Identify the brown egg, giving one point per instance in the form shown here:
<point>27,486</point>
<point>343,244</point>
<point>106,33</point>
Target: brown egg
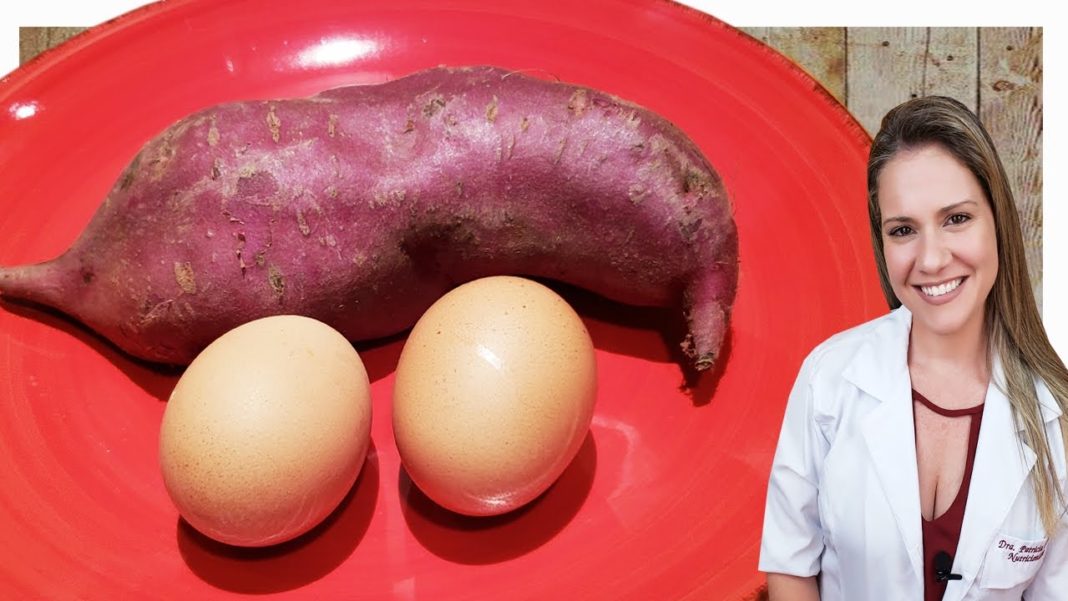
<point>266,431</point>
<point>494,395</point>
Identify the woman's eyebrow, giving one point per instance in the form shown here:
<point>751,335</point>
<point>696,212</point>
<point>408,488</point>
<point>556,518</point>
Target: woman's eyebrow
<point>942,211</point>
<point>956,205</point>
<point>898,220</point>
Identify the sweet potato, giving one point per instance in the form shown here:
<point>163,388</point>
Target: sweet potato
<point>362,205</point>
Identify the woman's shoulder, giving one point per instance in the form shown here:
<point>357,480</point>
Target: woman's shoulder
<point>840,349</point>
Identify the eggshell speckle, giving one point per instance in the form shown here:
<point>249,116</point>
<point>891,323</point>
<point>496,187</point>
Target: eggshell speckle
<point>494,394</point>
<point>266,431</point>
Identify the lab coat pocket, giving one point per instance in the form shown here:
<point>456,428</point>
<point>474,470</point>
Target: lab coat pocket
<point>1011,562</point>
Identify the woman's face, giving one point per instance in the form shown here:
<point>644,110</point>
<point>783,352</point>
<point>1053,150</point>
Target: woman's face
<point>938,239</point>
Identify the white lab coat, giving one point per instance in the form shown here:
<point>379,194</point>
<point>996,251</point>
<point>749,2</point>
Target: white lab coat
<point>843,497</point>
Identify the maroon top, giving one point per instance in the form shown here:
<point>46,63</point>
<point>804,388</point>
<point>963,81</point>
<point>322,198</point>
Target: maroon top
<point>943,532</point>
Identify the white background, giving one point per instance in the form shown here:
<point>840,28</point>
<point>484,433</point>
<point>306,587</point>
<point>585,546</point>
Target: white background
<point>900,13</point>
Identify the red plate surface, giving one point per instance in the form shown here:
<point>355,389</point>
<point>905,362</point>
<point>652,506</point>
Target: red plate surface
<point>664,501</point>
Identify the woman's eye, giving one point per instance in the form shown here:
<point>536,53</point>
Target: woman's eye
<point>901,230</point>
<point>959,218</point>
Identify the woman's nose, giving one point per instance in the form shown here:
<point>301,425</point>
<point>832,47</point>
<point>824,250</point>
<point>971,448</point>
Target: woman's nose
<point>934,253</point>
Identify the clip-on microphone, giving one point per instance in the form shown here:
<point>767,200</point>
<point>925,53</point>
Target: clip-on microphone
<point>943,563</point>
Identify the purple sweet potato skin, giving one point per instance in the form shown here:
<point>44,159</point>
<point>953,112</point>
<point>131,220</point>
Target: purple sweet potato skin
<point>362,205</point>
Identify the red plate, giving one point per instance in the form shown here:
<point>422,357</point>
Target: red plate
<point>665,500</point>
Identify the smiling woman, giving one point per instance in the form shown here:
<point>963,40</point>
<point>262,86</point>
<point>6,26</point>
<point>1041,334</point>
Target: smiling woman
<point>956,395</point>
<point>937,249</point>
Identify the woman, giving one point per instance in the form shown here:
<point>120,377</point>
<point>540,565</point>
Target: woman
<point>922,455</point>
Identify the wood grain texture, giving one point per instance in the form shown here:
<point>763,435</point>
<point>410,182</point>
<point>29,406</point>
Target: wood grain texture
<point>951,67</point>
<point>35,40</point>
<point>885,68</point>
<point>1010,106</point>
<point>820,51</point>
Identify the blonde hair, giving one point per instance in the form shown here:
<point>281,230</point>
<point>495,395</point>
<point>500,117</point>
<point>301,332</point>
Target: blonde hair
<point>1013,325</point>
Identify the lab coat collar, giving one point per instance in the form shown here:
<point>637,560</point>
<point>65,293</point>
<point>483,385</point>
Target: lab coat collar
<point>879,364</point>
<point>880,369</point>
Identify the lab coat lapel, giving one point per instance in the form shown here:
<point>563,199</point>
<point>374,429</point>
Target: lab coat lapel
<point>881,371</point>
<point>1001,465</point>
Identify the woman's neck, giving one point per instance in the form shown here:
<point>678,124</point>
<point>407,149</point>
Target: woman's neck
<point>963,351</point>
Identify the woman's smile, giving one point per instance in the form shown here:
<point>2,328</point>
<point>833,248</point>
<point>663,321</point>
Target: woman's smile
<point>941,293</point>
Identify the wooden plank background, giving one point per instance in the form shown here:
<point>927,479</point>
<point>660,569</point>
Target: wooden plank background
<point>995,71</point>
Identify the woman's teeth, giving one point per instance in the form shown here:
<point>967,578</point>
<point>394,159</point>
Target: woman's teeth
<point>942,288</point>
